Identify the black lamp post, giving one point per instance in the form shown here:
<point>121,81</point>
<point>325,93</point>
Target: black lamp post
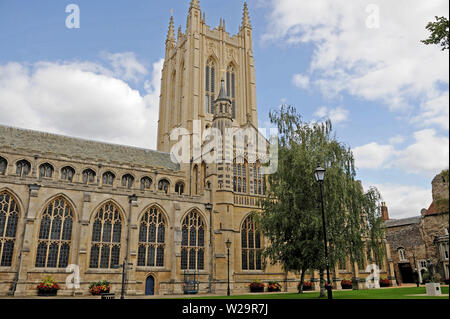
<point>228,243</point>
<point>320,176</point>
<point>209,208</point>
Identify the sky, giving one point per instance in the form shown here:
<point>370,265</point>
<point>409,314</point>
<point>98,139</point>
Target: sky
<point>359,63</point>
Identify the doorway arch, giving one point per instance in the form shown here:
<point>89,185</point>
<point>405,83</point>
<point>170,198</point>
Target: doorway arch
<point>150,285</point>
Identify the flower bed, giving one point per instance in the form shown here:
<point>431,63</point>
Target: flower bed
<point>346,284</point>
<point>47,287</point>
<point>274,286</point>
<point>384,282</point>
<point>257,286</point>
<point>99,287</point>
<point>307,285</point>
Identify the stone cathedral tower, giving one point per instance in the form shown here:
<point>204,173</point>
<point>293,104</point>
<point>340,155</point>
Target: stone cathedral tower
<point>195,63</point>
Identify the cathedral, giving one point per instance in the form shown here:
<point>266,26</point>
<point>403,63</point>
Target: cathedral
<point>68,203</point>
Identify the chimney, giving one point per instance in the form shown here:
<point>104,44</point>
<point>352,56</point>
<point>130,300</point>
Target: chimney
<point>384,211</point>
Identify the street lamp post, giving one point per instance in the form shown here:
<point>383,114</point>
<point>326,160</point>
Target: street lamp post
<point>320,176</point>
<point>228,243</point>
<point>209,208</point>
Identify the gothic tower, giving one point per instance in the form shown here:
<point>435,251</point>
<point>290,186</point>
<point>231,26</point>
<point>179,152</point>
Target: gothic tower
<point>195,62</point>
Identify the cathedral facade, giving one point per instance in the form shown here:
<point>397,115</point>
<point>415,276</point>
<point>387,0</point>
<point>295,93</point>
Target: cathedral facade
<point>68,203</point>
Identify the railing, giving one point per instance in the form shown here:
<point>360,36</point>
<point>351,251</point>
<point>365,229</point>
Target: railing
<point>248,200</point>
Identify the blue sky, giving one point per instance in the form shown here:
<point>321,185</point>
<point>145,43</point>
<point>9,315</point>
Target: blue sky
<point>358,62</point>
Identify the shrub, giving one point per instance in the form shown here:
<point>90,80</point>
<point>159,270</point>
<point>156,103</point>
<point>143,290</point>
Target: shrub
<point>446,281</point>
<point>99,287</point>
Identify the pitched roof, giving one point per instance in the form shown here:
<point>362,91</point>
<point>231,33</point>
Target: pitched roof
<point>47,143</point>
<point>402,222</point>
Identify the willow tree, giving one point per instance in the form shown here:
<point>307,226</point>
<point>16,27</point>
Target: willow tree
<point>291,218</point>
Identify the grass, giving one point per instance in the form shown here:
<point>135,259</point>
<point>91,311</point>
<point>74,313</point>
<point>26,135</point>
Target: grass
<point>385,293</point>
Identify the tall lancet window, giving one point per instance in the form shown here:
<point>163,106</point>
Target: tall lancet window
<point>231,88</point>
<point>181,88</point>
<point>210,78</point>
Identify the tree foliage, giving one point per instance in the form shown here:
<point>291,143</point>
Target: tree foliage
<point>291,217</point>
<point>439,33</point>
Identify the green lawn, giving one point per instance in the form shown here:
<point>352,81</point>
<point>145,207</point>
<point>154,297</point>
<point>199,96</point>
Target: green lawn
<point>386,293</point>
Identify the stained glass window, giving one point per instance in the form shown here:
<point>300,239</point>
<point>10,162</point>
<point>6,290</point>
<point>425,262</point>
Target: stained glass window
<point>231,88</point>
<point>88,176</point>
<point>193,241</point>
<point>106,235</point>
<point>23,168</point>
<point>152,230</point>
<point>45,170</point>
<point>67,173</point>
<point>210,86</point>
<point>3,165</point>
<point>55,234</point>
<point>108,178</point>
<point>251,245</point>
<point>146,183</point>
<point>9,218</point>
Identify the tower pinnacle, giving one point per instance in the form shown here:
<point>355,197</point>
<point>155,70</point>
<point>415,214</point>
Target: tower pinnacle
<point>245,17</point>
<point>171,32</point>
<point>195,4</point>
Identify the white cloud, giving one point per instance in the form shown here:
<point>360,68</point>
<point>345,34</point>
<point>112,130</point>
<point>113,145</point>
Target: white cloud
<point>336,115</point>
<point>398,139</point>
<point>428,155</point>
<point>372,155</point>
<point>404,200</point>
<point>301,81</point>
<point>387,64</point>
<point>126,66</point>
<point>79,99</point>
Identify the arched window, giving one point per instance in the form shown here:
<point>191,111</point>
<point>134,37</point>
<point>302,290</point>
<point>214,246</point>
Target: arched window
<point>193,242</point>
<point>231,88</point>
<point>108,178</point>
<point>55,234</point>
<point>251,245</point>
<point>9,218</point>
<point>179,188</point>
<point>23,168</point>
<point>45,170</point>
<point>210,83</point>
<point>3,165</point>
<point>127,180</point>
<point>67,173</point>
<point>88,176</point>
<point>259,183</point>
<point>152,232</point>
<point>163,185</point>
<point>146,183</point>
<point>402,254</point>
<point>240,177</point>
<point>106,233</point>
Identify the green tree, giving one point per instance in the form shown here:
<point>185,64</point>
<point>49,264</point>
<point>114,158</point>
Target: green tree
<point>439,33</point>
<point>291,217</point>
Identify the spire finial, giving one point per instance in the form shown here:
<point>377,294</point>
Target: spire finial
<point>246,17</point>
<point>195,4</point>
<point>171,32</point>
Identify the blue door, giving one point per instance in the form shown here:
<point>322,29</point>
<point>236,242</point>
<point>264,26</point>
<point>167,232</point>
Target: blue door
<point>150,285</point>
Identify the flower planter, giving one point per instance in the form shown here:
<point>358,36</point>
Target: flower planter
<point>385,283</point>
<point>273,289</point>
<point>47,293</point>
<point>256,289</point>
<point>433,289</point>
<point>347,286</point>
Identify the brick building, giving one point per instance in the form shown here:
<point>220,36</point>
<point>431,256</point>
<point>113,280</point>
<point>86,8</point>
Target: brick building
<point>415,240</point>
